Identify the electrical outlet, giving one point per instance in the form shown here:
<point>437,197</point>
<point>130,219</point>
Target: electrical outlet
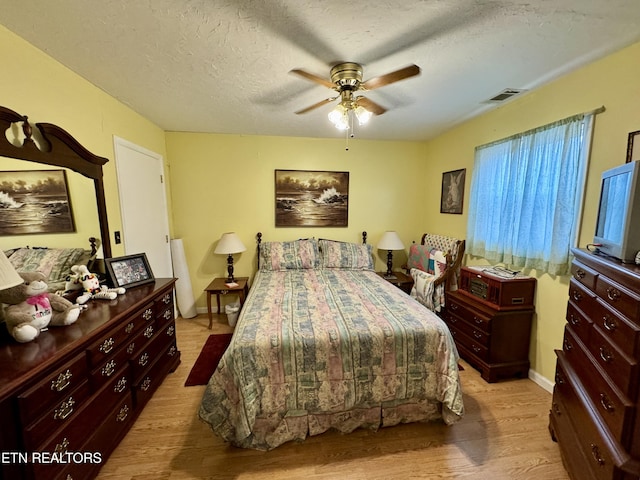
<point>116,234</point>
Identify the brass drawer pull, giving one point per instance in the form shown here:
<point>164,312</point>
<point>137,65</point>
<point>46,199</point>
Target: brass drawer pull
<point>63,446</point>
<point>606,355</point>
<point>477,320</point>
<point>573,320</point>
<point>606,403</point>
<point>148,332</point>
<point>454,306</point>
<point>145,384</point>
<point>62,382</point>
<point>170,331</point>
<point>131,348</point>
<point>167,299</point>
<point>580,273</point>
<point>109,368</point>
<point>613,294</point>
<point>144,359</point>
<point>477,335</point>
<point>167,314</point>
<point>129,328</point>
<point>609,323</point>
<point>122,414</point>
<point>172,351</point>
<point>148,314</point>
<point>107,345</point>
<point>65,409</point>
<point>556,409</point>
<point>595,452</point>
<point>568,346</point>
<point>576,295</point>
<point>121,385</point>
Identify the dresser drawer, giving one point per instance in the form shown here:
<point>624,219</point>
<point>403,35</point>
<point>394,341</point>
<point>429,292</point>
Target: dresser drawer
<point>581,297</point>
<point>624,333</point>
<point>107,370</point>
<point>615,409</point>
<point>148,355</point>
<point>111,342</point>
<point>477,334</point>
<point>53,389</point>
<point>584,274</point>
<point>473,318</point>
<point>165,315</point>
<point>59,416</point>
<point>580,323</point>
<point>145,386</point>
<point>162,302</point>
<point>620,368</point>
<point>618,297</point>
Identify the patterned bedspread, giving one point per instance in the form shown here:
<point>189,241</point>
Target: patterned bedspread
<point>316,349</point>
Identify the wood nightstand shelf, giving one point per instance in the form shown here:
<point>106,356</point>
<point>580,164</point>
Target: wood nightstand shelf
<point>218,287</point>
<point>403,281</point>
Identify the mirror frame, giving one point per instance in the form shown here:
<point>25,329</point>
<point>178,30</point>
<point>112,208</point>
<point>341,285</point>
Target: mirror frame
<point>62,150</point>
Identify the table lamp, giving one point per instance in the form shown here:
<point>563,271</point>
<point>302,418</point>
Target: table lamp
<point>229,244</point>
<point>390,241</point>
<point>8,275</point>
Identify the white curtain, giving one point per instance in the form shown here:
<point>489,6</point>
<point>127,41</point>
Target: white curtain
<point>526,196</point>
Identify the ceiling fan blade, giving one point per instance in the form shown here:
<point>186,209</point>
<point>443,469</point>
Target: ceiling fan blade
<point>313,78</point>
<point>382,80</point>
<point>370,105</point>
<point>316,105</point>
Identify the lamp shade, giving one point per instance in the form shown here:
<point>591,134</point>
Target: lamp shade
<point>8,275</point>
<point>229,243</point>
<point>390,241</point>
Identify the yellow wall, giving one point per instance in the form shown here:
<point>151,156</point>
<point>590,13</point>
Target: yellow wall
<point>35,85</point>
<point>224,183</point>
<point>612,82</point>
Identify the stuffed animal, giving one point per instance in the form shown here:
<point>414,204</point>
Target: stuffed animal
<point>82,278</point>
<point>30,308</point>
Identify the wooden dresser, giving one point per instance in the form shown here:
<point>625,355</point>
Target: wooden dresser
<point>594,413</point>
<point>490,320</point>
<point>68,398</point>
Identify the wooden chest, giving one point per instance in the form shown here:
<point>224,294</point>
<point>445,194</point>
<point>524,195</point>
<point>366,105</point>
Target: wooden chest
<point>502,291</point>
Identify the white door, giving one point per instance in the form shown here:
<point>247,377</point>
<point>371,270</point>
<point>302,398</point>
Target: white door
<point>143,205</point>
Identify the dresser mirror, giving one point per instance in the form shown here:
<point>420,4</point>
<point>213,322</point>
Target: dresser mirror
<point>46,146</point>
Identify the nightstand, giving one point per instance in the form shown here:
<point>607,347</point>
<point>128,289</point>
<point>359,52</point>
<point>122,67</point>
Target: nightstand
<point>403,281</point>
<point>219,287</point>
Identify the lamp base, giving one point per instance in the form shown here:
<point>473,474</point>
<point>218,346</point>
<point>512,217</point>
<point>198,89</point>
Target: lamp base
<point>230,278</point>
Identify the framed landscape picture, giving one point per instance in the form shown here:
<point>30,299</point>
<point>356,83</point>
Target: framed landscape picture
<point>310,198</point>
<point>35,201</point>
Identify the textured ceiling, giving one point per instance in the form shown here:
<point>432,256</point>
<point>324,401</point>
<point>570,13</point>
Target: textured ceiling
<point>222,65</point>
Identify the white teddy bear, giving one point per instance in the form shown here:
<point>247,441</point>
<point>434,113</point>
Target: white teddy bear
<point>82,278</point>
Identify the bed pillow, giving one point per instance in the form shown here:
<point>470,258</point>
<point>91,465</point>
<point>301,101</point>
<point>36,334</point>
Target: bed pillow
<point>295,255</point>
<point>355,256</point>
<point>54,263</point>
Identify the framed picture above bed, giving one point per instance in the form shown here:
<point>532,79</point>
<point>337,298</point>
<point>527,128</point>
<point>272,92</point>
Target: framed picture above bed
<point>35,201</point>
<point>129,271</point>
<point>452,191</point>
<point>311,198</point>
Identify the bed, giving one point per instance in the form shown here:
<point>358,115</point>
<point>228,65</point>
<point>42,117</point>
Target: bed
<point>323,342</point>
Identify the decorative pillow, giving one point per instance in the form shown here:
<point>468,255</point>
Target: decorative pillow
<point>298,254</point>
<point>346,255</point>
<point>54,263</point>
<point>437,262</point>
<point>418,257</point>
<point>423,287</point>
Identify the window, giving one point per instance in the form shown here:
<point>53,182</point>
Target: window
<point>526,196</point>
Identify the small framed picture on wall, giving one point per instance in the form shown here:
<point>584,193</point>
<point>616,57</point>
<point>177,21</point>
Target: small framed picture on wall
<point>452,191</point>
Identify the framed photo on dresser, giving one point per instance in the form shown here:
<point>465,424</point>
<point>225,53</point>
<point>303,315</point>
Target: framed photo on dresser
<point>129,271</point>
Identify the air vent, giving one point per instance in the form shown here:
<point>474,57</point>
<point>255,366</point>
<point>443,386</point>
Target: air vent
<point>506,94</point>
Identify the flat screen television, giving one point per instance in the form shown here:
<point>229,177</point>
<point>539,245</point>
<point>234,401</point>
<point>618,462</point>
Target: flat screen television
<point>618,225</point>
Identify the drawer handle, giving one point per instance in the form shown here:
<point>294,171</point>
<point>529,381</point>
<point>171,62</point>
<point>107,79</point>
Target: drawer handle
<point>121,385</point>
<point>145,384</point>
<point>166,299</point>
<point>131,348</point>
<point>66,409</point>
<point>62,447</point>
<point>62,382</point>
<point>556,409</point>
<point>148,314</point>
<point>559,379</point>
<point>613,294</point>
<point>167,314</point>
<point>610,323</point>
<point>148,332</point>
<point>107,345</point>
<point>144,359</point>
<point>595,452</point>
<point>577,296</point>
<point>606,355</point>
<point>129,328</point>
<point>477,321</point>
<point>109,368</point>
<point>477,335</point>
<point>454,306</point>
<point>581,273</point>
<point>476,349</point>
<point>122,414</point>
<point>573,320</point>
<point>172,351</point>
<point>606,403</point>
<point>170,331</point>
<point>568,346</point>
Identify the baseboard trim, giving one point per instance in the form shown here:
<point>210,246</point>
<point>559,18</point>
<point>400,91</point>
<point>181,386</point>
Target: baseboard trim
<point>543,382</point>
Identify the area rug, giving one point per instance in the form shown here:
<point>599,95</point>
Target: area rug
<point>208,359</point>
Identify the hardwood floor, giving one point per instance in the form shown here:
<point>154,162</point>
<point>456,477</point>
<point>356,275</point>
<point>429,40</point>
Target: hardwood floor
<point>502,436</point>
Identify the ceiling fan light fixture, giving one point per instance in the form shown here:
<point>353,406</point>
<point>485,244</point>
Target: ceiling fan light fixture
<point>339,116</point>
<point>363,115</point>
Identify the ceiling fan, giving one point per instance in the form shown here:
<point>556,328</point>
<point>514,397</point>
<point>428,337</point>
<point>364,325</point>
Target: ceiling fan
<point>346,79</point>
